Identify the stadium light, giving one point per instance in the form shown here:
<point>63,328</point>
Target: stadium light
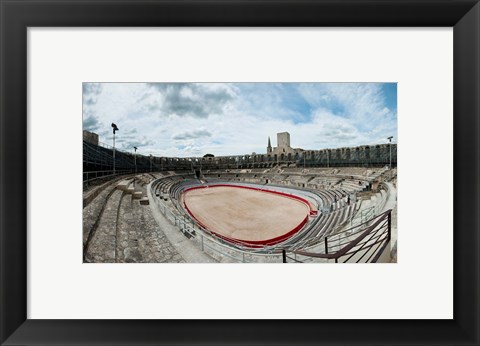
<point>150,162</point>
<point>115,128</point>
<point>135,157</point>
<point>390,166</point>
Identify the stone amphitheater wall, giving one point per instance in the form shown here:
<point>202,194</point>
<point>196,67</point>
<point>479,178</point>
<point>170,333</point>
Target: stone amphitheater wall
<point>367,155</point>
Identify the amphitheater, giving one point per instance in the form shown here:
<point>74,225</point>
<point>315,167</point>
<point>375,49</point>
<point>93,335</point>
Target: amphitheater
<point>286,206</point>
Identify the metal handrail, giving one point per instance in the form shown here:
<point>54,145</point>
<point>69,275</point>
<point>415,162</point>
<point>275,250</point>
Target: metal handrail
<point>103,174</point>
<point>341,252</point>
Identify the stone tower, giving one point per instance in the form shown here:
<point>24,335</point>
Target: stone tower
<point>283,140</point>
<point>269,147</point>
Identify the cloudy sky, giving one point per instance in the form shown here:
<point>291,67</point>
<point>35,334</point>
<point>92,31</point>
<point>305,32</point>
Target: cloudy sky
<point>193,119</point>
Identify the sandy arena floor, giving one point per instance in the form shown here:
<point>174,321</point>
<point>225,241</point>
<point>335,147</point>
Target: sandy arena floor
<point>245,214</point>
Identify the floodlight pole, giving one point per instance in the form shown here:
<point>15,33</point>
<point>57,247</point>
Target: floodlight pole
<point>390,166</point>
<point>150,162</point>
<point>390,154</point>
<point>115,128</point>
<point>113,152</point>
<point>135,157</point>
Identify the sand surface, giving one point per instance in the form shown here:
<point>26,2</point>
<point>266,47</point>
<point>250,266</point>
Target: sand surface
<point>245,214</point>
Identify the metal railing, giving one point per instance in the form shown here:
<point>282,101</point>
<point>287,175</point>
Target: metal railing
<point>363,216</point>
<point>363,243</point>
<point>91,176</point>
<point>374,210</point>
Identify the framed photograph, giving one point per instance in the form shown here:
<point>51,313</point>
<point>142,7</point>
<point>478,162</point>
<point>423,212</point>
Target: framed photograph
<point>289,143</point>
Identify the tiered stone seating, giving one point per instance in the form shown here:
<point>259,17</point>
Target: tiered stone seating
<point>102,243</point>
<point>329,186</point>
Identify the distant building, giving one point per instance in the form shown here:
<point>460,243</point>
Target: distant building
<point>283,148</point>
<point>90,137</point>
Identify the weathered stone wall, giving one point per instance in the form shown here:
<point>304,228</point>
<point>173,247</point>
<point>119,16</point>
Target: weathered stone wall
<point>366,155</point>
<point>362,156</point>
<point>90,137</point>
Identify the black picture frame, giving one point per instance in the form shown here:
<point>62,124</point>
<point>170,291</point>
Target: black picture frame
<point>17,15</point>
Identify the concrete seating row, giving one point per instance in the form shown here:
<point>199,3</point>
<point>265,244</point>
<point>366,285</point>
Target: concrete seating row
<point>317,228</point>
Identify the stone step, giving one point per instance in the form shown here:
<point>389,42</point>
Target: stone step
<point>103,243</point>
<point>123,185</point>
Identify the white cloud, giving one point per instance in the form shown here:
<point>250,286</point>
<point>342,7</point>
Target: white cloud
<point>234,119</point>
